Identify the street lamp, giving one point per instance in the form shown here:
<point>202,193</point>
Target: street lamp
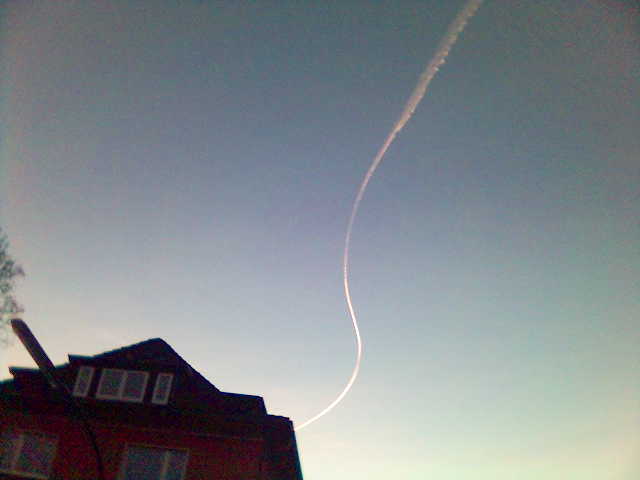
<point>47,368</point>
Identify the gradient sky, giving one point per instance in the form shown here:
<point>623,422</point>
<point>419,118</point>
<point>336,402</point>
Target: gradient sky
<point>185,170</point>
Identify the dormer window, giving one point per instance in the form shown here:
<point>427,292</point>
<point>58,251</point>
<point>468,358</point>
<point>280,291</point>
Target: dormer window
<point>162,389</point>
<point>127,385</point>
<point>83,381</point>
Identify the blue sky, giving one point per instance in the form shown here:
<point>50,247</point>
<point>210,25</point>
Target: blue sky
<point>186,170</point>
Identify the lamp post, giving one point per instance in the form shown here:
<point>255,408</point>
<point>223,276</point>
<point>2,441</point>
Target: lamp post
<point>47,368</point>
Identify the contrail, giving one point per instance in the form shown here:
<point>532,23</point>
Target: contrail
<point>418,93</point>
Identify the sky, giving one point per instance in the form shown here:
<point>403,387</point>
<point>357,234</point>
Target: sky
<point>186,169</point>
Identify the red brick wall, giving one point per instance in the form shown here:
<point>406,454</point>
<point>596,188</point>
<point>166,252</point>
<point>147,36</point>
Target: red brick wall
<point>209,456</point>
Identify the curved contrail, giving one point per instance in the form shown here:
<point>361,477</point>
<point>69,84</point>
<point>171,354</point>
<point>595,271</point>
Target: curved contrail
<point>427,75</point>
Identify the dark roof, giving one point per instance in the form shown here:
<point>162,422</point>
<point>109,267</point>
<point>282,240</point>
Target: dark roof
<point>155,344</point>
<point>153,348</point>
<point>155,351</point>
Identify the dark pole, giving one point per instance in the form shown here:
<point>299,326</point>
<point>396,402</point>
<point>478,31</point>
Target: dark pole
<point>47,368</point>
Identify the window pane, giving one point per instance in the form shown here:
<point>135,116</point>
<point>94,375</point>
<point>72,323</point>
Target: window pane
<point>163,386</point>
<point>36,454</point>
<point>7,449</point>
<point>134,385</point>
<point>83,381</point>
<point>143,463</point>
<point>175,467</point>
<point>110,382</point>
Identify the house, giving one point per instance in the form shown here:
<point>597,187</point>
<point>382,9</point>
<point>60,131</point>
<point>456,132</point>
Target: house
<point>152,416</point>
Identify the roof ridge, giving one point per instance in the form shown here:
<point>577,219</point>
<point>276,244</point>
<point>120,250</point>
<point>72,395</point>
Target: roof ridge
<point>135,345</point>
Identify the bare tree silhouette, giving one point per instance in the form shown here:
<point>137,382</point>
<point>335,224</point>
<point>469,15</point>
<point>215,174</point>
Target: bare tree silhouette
<point>9,272</point>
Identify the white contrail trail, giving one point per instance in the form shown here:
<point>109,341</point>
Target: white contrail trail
<point>418,93</point>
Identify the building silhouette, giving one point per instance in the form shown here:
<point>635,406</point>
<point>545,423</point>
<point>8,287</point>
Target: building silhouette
<point>153,418</point>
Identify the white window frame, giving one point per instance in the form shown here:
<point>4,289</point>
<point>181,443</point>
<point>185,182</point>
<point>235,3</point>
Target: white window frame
<point>119,396</point>
<point>165,460</point>
<point>155,398</point>
<point>18,450</point>
<point>76,390</point>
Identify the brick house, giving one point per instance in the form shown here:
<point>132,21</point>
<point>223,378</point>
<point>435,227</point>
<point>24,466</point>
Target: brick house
<point>153,416</point>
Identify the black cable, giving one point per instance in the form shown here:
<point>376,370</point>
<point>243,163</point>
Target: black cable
<point>78,409</point>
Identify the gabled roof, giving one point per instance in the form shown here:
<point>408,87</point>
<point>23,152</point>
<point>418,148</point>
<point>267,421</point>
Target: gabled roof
<point>154,351</point>
<point>153,354</point>
<point>146,348</point>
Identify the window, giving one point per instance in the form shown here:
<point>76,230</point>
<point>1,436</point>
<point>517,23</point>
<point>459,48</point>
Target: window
<point>83,381</point>
<point>151,463</point>
<point>162,389</point>
<point>126,385</point>
<point>27,454</point>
